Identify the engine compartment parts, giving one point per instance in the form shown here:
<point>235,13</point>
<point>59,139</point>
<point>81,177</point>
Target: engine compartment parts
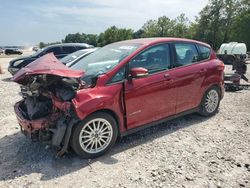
<point>46,112</point>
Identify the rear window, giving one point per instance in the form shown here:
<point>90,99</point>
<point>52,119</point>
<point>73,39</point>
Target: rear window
<point>204,52</point>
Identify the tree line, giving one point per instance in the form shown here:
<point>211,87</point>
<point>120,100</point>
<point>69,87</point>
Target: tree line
<point>218,22</point>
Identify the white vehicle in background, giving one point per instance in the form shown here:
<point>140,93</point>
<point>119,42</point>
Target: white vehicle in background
<point>1,51</point>
<point>74,57</point>
<point>234,54</point>
<point>229,53</point>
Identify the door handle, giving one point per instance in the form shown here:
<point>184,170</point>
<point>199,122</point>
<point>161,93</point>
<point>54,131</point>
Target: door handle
<point>167,77</point>
<point>203,70</point>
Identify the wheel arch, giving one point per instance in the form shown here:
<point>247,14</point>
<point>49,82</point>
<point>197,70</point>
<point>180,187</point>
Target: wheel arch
<point>217,85</point>
<point>110,112</point>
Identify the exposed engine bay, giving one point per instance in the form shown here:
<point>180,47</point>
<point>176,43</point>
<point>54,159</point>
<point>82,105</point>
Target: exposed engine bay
<point>46,112</point>
<point>39,92</point>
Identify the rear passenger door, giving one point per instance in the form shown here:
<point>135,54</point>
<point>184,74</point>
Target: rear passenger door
<point>189,76</point>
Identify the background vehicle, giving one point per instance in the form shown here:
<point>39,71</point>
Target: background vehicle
<point>59,50</point>
<point>71,59</point>
<point>1,51</point>
<point>10,51</point>
<point>124,86</point>
<point>35,48</point>
<point>229,53</point>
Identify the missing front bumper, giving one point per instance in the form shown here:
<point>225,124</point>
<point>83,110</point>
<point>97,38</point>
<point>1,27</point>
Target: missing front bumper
<point>38,129</point>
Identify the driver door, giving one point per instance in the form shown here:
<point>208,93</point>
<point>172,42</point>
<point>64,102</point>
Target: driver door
<point>153,97</point>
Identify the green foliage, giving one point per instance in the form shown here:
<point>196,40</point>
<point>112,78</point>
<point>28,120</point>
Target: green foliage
<point>165,27</point>
<point>138,34</point>
<point>42,44</point>
<point>81,38</point>
<point>181,27</point>
<point>210,28</point>
<point>114,34</point>
<point>241,28</point>
<point>217,22</point>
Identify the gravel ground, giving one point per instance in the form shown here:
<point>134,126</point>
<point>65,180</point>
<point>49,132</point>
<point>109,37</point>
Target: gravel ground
<point>191,151</point>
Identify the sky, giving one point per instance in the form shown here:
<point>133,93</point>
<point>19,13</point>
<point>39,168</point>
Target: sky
<point>28,22</point>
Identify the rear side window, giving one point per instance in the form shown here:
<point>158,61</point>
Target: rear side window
<point>204,52</point>
<point>68,49</point>
<point>55,50</point>
<point>186,54</point>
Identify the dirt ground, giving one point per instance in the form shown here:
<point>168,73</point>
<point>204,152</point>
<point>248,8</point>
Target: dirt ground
<point>191,151</point>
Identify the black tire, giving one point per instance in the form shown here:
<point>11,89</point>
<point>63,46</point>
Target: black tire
<point>77,132</point>
<point>204,110</point>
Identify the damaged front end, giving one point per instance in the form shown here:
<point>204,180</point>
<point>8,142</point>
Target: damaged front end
<point>46,112</point>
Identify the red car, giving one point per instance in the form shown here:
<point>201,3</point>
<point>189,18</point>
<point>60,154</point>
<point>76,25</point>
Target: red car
<point>119,89</point>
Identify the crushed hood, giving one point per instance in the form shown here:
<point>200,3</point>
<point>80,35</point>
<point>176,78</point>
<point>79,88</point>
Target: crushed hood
<point>47,64</point>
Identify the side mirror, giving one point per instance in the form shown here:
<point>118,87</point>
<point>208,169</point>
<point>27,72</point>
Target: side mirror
<point>138,72</point>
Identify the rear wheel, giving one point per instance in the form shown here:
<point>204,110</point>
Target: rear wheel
<point>210,102</point>
<point>95,135</point>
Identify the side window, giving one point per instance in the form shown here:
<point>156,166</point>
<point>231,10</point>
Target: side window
<point>204,52</point>
<point>68,49</point>
<point>80,47</point>
<point>55,50</point>
<point>186,54</point>
<point>119,76</point>
<point>154,59</point>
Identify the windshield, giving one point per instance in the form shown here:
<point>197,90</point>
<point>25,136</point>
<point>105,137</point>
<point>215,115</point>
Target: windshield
<point>104,59</point>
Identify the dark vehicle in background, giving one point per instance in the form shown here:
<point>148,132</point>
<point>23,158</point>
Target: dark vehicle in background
<point>11,51</point>
<point>73,58</point>
<point>59,50</point>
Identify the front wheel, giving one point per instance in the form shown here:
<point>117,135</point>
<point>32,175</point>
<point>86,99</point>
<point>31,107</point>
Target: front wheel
<point>210,102</point>
<point>95,135</point>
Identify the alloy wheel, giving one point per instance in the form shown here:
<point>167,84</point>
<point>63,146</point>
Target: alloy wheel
<point>212,100</point>
<point>95,135</point>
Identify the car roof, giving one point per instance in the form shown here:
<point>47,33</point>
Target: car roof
<point>70,44</point>
<point>151,41</point>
